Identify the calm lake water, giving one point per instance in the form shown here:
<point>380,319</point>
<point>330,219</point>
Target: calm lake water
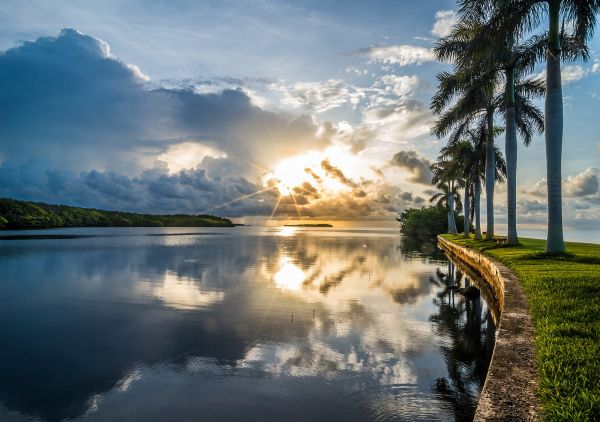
<point>243,324</point>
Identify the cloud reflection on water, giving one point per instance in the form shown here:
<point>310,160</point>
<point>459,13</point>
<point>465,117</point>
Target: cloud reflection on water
<point>318,323</point>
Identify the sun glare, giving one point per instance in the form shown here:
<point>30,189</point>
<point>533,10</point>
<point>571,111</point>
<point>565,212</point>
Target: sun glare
<point>291,173</point>
<point>289,276</point>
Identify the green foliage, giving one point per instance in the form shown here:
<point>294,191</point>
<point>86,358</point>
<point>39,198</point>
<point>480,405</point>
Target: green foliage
<point>426,223</point>
<point>563,292</point>
<point>16,214</point>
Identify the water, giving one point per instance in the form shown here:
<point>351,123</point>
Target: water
<point>247,324</point>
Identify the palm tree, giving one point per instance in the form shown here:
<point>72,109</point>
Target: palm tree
<point>467,47</point>
<point>461,154</point>
<point>462,97</point>
<point>469,153</point>
<point>445,178</point>
<point>522,16</point>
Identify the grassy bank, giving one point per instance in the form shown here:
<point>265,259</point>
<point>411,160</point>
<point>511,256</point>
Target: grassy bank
<point>564,298</point>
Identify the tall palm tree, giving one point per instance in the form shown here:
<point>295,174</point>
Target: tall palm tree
<point>522,16</point>
<point>461,154</point>
<point>467,47</point>
<point>445,176</point>
<point>474,92</point>
<point>469,152</point>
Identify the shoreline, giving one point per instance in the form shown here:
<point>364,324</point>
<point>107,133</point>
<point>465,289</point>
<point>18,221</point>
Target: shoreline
<point>510,388</point>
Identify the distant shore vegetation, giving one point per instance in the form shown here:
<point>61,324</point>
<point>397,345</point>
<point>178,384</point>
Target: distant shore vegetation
<point>309,225</point>
<point>15,214</point>
<point>426,223</point>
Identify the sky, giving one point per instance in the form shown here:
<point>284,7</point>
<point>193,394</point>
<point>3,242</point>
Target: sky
<point>251,109</point>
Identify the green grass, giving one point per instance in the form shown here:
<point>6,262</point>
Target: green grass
<point>564,298</point>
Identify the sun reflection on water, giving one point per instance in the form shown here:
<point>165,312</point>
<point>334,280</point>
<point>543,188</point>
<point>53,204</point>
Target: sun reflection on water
<point>286,231</point>
<point>289,276</point>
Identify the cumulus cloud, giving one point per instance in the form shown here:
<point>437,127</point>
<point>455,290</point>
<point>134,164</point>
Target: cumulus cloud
<point>583,184</point>
<point>415,163</point>
<point>401,55</point>
<point>399,122</point>
<point>586,183</point>
<point>156,189</point>
<point>81,127</point>
<point>581,189</point>
<point>400,85</point>
<point>444,21</point>
<point>573,73</point>
<point>67,99</point>
<point>320,96</point>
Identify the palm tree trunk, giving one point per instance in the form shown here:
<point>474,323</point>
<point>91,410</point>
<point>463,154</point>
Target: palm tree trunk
<point>451,209</point>
<point>451,214</point>
<point>553,130</point>
<point>448,204</point>
<point>490,174</point>
<point>477,206</point>
<point>511,158</point>
<point>466,207</point>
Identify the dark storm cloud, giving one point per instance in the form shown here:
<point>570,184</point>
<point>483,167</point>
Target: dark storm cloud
<point>190,191</point>
<point>80,126</point>
<point>416,164</point>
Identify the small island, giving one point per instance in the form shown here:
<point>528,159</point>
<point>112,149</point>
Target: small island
<point>15,214</point>
<point>309,225</point>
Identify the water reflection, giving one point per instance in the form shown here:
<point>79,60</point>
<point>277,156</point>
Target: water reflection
<point>246,325</point>
<point>183,293</point>
<point>468,351</point>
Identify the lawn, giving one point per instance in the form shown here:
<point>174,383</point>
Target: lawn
<point>564,299</point>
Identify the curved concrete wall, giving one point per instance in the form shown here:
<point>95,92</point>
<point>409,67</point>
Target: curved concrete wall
<point>509,392</point>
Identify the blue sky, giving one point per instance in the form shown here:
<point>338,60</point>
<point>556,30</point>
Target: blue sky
<point>183,105</point>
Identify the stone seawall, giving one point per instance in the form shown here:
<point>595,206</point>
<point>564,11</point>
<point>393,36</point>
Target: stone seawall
<point>509,392</point>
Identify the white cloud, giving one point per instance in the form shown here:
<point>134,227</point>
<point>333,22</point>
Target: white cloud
<point>319,96</point>
<point>401,55</point>
<point>444,21</point>
<point>586,183</point>
<point>573,73</point>
<point>137,72</point>
<point>400,85</point>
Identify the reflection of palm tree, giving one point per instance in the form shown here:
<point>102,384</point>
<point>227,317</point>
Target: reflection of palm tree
<point>468,353</point>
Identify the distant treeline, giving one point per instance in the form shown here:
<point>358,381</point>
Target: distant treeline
<point>16,214</point>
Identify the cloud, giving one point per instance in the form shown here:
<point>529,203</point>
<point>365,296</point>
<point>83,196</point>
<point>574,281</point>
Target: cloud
<point>586,183</point>
<point>583,193</point>
<point>416,164</point>
<point>400,85</point>
<point>335,173</point>
<point>401,55</point>
<point>574,73</point>
<point>320,96</point>
<point>67,99</point>
<point>583,184</point>
<point>155,189</point>
<point>83,128</point>
<point>444,21</point>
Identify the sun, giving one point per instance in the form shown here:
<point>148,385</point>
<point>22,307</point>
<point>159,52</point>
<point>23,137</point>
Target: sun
<point>292,173</point>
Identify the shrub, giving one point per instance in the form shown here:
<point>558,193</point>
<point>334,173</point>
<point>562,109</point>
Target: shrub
<point>426,223</point>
